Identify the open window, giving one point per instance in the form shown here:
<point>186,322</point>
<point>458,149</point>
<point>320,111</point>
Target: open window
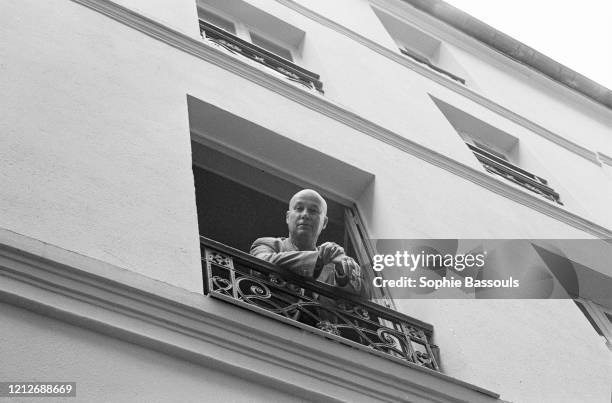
<point>418,45</point>
<point>238,203</point>
<point>245,175</point>
<point>497,151</point>
<point>246,31</point>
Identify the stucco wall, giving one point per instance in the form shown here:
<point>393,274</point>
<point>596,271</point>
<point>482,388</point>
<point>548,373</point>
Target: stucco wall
<point>528,351</point>
<point>180,15</point>
<point>104,153</point>
<point>95,145</point>
<point>398,102</point>
<point>493,75</point>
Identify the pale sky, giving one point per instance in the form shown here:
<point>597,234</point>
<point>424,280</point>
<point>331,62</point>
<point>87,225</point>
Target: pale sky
<point>577,34</point>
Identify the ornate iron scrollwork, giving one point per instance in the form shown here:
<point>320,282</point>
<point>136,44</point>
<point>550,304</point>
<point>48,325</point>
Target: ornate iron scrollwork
<point>219,259</point>
<point>244,282</point>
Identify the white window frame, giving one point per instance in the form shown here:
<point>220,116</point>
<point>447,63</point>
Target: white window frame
<point>244,31</point>
<point>488,147</point>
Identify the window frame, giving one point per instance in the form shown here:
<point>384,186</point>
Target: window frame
<point>354,228</point>
<point>246,32</point>
<point>221,16</point>
<point>259,56</point>
<point>473,131</point>
<point>262,37</point>
<point>513,173</point>
<point>415,43</point>
<point>600,318</point>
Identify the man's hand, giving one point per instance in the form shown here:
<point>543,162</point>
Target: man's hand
<point>347,270</point>
<point>330,251</point>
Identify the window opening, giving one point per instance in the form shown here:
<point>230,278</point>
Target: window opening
<point>496,150</point>
<point>217,21</point>
<point>238,203</point>
<point>271,46</point>
<point>492,151</point>
<point>251,33</point>
<point>418,45</point>
<point>502,167</point>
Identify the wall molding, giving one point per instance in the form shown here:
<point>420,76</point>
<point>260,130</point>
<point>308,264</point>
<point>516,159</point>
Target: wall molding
<point>605,159</point>
<point>327,108</point>
<point>446,82</point>
<point>91,294</point>
<point>556,75</point>
<point>498,51</point>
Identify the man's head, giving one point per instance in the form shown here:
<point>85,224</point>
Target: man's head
<point>306,217</point>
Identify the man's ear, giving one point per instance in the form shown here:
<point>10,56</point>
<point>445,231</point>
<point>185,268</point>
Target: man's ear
<point>324,223</point>
<point>287,216</point>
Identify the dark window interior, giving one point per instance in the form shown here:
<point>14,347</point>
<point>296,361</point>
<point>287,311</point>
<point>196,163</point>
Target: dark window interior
<point>234,214</point>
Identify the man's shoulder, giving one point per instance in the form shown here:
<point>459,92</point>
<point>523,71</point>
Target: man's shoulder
<point>272,242</point>
<point>269,240</point>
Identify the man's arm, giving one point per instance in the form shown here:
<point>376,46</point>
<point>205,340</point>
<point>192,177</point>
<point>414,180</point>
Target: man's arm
<point>299,262</point>
<point>345,273</point>
<point>309,264</point>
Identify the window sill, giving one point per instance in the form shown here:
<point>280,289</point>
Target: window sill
<point>432,66</point>
<point>514,174</point>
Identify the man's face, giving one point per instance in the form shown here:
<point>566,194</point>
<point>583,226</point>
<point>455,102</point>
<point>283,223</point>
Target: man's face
<point>306,217</point>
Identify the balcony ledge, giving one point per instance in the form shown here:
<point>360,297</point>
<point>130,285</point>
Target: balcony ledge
<point>125,305</point>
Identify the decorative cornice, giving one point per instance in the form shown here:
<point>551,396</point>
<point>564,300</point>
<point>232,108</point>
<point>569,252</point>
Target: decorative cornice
<point>444,81</point>
<point>514,49</point>
<point>128,306</point>
<point>326,107</point>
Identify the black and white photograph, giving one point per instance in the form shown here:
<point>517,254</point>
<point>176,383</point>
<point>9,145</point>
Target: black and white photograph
<point>306,201</point>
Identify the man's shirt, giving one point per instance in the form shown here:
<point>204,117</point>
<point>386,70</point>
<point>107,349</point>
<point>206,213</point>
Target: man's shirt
<point>284,254</point>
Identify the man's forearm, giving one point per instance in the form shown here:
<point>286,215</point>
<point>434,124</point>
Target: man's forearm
<point>299,262</point>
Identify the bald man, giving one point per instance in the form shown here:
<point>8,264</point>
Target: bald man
<point>299,253</point>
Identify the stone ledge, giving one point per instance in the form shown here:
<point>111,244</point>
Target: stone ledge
<point>109,300</point>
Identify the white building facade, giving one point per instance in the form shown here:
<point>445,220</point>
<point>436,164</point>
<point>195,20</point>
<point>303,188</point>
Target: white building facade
<point>131,128</point>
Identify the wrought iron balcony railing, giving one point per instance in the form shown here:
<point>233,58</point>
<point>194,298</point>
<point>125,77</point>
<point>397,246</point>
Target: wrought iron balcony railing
<point>243,280</point>
<point>239,46</point>
<point>511,172</point>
